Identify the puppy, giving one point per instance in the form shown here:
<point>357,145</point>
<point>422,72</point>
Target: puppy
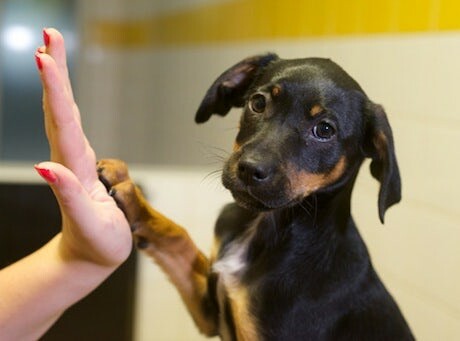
<point>288,262</point>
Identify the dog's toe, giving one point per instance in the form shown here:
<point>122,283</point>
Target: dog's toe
<point>112,172</point>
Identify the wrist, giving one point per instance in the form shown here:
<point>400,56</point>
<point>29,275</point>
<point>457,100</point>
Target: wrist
<point>44,284</point>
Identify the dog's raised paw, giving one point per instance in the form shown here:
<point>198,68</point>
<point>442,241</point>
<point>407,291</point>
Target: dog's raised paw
<point>115,177</point>
<point>111,172</point>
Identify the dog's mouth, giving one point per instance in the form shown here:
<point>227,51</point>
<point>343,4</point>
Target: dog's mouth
<point>249,201</point>
<point>252,202</point>
<point>257,199</point>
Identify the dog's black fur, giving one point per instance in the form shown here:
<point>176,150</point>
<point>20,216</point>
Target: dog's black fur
<point>288,261</point>
<point>305,268</point>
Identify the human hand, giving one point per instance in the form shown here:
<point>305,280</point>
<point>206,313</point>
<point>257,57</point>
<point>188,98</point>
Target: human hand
<point>93,228</point>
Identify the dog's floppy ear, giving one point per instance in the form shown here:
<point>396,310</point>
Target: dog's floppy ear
<point>229,89</point>
<point>379,146</point>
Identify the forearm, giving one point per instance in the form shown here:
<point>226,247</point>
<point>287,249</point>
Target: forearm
<point>36,290</point>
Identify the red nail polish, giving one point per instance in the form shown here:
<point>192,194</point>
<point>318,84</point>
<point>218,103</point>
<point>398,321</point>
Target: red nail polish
<point>46,174</point>
<point>46,38</point>
<point>38,61</point>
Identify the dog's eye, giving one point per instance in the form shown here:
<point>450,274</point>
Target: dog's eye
<point>324,131</point>
<point>258,103</point>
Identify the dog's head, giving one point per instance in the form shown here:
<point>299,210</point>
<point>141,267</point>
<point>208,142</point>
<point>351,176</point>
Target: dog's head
<point>306,128</point>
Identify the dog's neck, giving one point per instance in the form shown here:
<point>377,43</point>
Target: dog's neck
<point>319,224</point>
<point>329,210</point>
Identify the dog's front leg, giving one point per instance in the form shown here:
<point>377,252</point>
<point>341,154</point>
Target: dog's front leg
<point>166,242</point>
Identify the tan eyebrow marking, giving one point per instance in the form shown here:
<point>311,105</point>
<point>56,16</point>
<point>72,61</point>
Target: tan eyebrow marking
<point>276,90</point>
<point>316,109</point>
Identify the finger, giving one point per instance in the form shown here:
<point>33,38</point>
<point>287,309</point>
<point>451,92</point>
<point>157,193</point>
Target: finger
<point>74,200</point>
<point>63,126</point>
<point>55,47</point>
<point>68,143</point>
<point>56,97</point>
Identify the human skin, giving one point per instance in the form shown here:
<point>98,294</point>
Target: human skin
<point>95,238</point>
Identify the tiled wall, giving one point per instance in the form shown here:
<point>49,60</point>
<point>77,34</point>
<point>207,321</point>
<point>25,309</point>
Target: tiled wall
<point>139,94</point>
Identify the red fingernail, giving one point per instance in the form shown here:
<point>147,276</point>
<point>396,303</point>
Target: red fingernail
<point>46,174</point>
<point>38,61</point>
<point>46,37</point>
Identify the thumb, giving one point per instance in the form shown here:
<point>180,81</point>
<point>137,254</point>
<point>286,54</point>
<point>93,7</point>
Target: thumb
<point>70,193</point>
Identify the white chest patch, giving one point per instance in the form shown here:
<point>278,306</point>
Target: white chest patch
<point>230,268</point>
<point>233,263</point>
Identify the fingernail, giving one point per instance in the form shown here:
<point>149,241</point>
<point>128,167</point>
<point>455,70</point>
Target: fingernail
<point>38,61</point>
<point>46,37</point>
<point>46,174</point>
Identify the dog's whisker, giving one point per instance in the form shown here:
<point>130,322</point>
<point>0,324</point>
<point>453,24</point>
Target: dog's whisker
<point>214,149</point>
<point>315,209</point>
<point>218,149</point>
<point>213,173</point>
<point>305,208</point>
<point>212,176</point>
<point>231,128</point>
<point>214,162</point>
<point>216,154</point>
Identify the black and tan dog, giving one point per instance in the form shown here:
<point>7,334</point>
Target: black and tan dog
<point>288,263</point>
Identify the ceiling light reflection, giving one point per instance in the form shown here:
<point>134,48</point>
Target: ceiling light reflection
<point>18,38</point>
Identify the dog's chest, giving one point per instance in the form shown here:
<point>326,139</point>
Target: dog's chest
<point>232,295</point>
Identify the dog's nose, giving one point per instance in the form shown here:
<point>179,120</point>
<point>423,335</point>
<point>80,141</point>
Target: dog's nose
<point>253,172</point>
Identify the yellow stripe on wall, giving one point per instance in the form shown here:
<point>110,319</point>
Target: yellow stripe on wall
<point>246,20</point>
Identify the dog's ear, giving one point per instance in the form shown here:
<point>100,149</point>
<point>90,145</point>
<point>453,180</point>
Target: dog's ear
<point>229,89</point>
<point>379,146</point>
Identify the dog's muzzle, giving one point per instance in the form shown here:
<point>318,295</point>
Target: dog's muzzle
<point>256,182</point>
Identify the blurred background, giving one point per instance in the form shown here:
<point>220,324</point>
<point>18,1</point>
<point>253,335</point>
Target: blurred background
<point>141,67</point>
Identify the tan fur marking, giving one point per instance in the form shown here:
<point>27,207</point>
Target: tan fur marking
<point>245,325</point>
<point>316,109</point>
<point>303,183</point>
<point>215,248</point>
<point>276,90</point>
<point>381,145</point>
